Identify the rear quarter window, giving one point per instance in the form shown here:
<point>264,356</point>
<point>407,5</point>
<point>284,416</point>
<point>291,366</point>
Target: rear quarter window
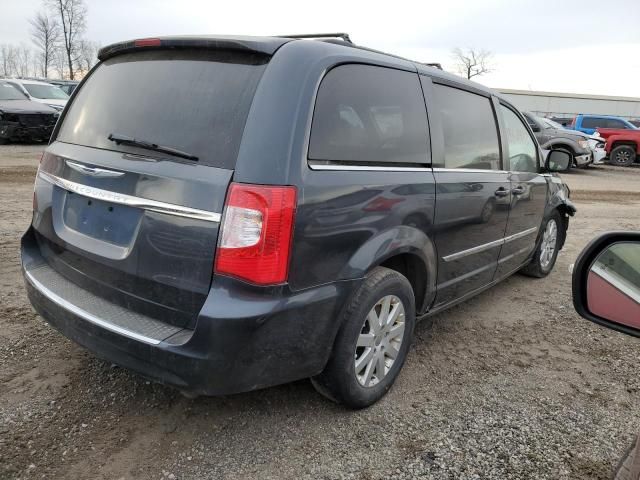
<point>469,128</point>
<point>367,115</point>
<point>195,101</point>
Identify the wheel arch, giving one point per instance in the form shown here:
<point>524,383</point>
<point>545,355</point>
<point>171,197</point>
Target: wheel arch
<point>627,143</point>
<point>558,143</point>
<point>407,250</point>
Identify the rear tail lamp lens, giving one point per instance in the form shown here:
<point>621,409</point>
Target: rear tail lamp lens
<point>256,233</point>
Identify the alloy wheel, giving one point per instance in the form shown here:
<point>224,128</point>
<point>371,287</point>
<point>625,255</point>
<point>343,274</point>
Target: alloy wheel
<point>380,340</point>
<point>623,157</point>
<point>548,246</point>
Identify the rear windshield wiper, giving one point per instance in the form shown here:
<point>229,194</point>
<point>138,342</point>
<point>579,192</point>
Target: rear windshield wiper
<point>124,140</point>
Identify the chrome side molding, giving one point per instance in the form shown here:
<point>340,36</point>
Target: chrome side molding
<point>487,246</point>
<point>130,200</point>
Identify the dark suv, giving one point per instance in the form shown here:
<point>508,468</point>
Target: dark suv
<point>223,214</point>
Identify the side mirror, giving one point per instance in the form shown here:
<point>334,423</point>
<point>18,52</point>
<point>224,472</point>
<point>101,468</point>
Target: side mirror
<point>606,282</point>
<point>558,161</point>
<point>535,128</point>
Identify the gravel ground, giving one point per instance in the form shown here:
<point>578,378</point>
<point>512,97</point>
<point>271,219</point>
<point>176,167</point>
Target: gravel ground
<point>510,385</point>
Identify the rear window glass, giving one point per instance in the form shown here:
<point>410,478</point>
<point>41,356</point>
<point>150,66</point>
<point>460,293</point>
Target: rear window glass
<point>193,101</point>
<point>369,115</point>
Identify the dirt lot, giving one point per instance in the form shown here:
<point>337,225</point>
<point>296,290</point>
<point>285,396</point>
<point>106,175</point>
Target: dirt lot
<point>512,384</point>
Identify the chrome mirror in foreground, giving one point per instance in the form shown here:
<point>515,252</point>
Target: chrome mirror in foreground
<point>606,282</point>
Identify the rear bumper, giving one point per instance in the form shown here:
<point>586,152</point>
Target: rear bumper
<point>15,131</point>
<point>245,338</point>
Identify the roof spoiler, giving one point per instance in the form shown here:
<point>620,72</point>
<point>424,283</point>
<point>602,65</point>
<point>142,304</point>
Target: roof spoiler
<point>261,45</point>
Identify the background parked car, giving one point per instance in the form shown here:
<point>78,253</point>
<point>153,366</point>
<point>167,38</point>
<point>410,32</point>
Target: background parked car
<point>67,86</point>
<point>589,123</point>
<point>622,146</point>
<point>553,136</point>
<point>42,92</point>
<point>22,119</point>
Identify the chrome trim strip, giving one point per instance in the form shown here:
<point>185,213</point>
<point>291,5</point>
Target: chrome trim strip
<point>369,168</point>
<point>471,251</point>
<point>86,315</point>
<point>487,246</point>
<point>130,200</point>
<point>93,171</point>
<point>518,235</point>
<point>466,170</point>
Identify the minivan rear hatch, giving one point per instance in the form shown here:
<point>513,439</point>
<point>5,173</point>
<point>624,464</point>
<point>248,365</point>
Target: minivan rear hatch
<point>129,195</point>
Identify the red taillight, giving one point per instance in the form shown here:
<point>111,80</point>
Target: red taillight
<point>147,42</point>
<point>256,232</point>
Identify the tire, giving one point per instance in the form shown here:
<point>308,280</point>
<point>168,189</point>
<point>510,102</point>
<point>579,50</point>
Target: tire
<point>540,266</point>
<point>360,387</point>
<point>622,156</point>
<point>3,141</point>
<point>628,467</point>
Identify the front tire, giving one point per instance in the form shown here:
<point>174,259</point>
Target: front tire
<point>622,156</point>
<point>373,342</point>
<point>548,247</point>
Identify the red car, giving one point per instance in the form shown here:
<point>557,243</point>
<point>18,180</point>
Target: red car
<point>622,146</point>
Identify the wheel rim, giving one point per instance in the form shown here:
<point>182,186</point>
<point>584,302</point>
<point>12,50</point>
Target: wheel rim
<point>380,340</point>
<point>623,156</point>
<point>548,246</point>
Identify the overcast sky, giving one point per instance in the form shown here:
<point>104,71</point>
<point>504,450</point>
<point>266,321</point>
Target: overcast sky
<point>585,46</point>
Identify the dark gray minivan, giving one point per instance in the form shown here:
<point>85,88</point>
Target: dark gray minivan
<point>223,214</point>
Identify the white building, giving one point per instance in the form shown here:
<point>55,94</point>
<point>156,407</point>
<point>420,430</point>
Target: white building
<point>567,105</point>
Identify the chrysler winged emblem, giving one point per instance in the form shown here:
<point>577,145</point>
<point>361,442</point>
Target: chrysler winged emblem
<point>93,171</point>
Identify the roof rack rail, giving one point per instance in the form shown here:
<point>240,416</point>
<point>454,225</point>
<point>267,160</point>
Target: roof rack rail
<point>433,64</point>
<point>343,36</point>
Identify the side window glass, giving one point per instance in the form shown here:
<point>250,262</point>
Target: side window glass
<point>521,149</point>
<point>369,115</point>
<point>591,122</point>
<point>469,129</point>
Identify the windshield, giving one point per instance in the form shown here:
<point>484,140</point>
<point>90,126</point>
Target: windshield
<point>193,101</point>
<point>49,92</point>
<point>9,92</point>
<point>548,123</point>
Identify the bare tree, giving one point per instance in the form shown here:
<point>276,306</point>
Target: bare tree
<point>23,60</point>
<point>471,63</point>
<point>58,63</point>
<point>87,55</point>
<point>72,15</point>
<point>45,34</point>
<point>8,60</point>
